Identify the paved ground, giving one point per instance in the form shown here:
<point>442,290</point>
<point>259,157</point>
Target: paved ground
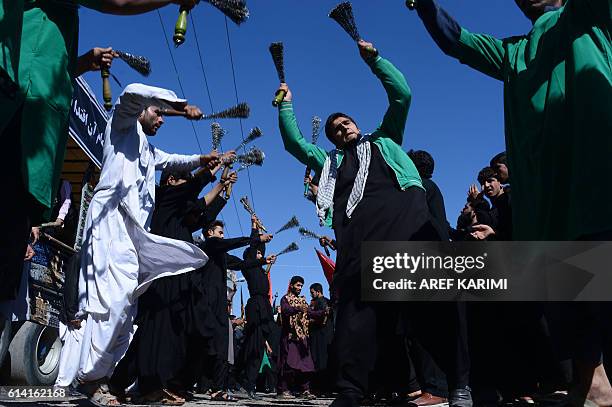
<point>200,401</point>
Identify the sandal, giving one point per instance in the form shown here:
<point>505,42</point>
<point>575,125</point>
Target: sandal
<point>223,396</point>
<point>161,397</point>
<point>102,398</point>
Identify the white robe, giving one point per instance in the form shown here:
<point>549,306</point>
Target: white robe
<point>120,257</point>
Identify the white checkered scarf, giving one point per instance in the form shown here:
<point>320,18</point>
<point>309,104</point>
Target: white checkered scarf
<point>329,173</point>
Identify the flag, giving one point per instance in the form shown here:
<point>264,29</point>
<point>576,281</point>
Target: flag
<point>328,266</point>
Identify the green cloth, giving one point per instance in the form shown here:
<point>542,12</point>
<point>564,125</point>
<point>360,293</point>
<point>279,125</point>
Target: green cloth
<point>558,118</point>
<point>38,42</point>
<point>388,136</point>
<point>265,362</point>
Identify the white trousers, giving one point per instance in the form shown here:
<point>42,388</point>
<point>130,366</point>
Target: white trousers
<point>105,341</point>
<point>69,359</point>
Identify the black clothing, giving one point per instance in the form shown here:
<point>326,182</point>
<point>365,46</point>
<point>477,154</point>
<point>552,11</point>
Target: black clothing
<point>210,291</point>
<point>435,203</point>
<point>321,334</point>
<point>259,317</point>
<point>384,213</point>
<point>501,212</point>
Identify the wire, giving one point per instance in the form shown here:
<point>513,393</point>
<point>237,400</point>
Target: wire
<point>229,45</point>
<point>161,22</point>
<point>195,32</point>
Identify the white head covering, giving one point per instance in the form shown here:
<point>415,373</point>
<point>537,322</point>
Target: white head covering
<point>136,97</point>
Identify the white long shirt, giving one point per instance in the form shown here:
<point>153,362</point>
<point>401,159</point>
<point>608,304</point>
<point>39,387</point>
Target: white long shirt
<point>120,257</point>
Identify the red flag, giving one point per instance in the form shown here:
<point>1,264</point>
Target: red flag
<point>328,266</point>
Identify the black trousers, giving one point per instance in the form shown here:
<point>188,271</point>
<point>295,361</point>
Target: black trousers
<point>251,370</point>
<point>367,337</point>
<point>429,376</point>
<point>216,374</point>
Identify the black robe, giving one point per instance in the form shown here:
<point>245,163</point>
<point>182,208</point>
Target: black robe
<point>321,333</point>
<point>210,291</point>
<point>259,316</point>
<point>366,333</point>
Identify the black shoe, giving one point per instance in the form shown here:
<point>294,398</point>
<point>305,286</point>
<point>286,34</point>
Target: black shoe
<point>461,398</point>
<point>252,395</point>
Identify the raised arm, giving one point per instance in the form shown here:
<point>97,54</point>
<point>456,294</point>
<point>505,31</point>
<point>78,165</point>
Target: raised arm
<point>181,162</point>
<point>236,263</point>
<point>482,52</point>
<point>398,93</point>
<point>295,143</point>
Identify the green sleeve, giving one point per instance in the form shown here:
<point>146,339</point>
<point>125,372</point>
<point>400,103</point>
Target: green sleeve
<point>399,96</point>
<point>482,52</point>
<point>306,153</point>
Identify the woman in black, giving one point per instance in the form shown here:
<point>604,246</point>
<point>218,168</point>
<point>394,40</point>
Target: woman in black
<point>259,317</point>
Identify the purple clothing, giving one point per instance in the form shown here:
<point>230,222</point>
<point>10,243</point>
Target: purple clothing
<point>294,353</point>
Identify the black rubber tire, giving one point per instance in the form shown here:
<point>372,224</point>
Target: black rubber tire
<point>5,337</point>
<point>35,355</point>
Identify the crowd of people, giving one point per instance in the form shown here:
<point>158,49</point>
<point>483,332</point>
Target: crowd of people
<point>147,310</point>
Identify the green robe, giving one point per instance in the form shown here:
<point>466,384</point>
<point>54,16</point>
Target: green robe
<point>38,42</point>
<point>558,118</point>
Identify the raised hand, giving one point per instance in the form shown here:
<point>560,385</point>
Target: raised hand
<point>367,50</point>
<point>211,158</point>
<point>288,96</point>
<point>192,112</point>
<point>265,238</point>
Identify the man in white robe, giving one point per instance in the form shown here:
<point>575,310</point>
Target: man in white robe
<point>120,258</point>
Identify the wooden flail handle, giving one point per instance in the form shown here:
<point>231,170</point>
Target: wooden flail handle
<point>224,176</point>
<point>268,267</point>
<point>411,4</point>
<point>180,28</point>
<point>172,112</point>
<point>261,226</point>
<point>278,98</point>
<point>106,89</point>
<point>306,184</point>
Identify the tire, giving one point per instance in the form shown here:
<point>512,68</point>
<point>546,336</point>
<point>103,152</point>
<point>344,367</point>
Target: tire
<point>35,355</point>
<point>5,339</point>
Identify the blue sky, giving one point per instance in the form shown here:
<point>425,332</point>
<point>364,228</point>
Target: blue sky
<point>456,113</point>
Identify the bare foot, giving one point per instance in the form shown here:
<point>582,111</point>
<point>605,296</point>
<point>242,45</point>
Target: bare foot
<point>600,392</point>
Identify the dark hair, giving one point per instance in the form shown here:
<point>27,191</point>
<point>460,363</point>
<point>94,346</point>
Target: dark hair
<point>212,225</point>
<point>296,279</point>
<point>499,159</point>
<point>423,161</point>
<point>317,287</point>
<point>480,204</point>
<point>167,173</point>
<point>329,123</point>
<point>485,174</point>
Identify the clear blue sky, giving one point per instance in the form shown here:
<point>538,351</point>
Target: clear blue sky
<point>456,113</point>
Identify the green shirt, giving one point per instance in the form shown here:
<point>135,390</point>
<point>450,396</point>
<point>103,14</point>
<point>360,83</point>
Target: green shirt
<point>388,136</point>
<point>558,118</point>
<point>38,41</point>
